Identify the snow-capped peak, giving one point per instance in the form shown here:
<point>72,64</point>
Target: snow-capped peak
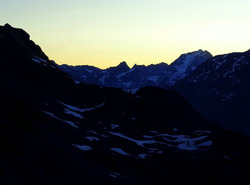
<point>185,60</point>
<point>188,62</point>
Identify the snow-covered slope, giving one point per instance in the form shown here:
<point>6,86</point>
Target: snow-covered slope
<point>160,75</point>
<point>187,63</point>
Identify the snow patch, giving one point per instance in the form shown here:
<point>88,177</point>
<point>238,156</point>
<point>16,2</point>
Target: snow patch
<point>125,73</point>
<point>121,75</point>
<point>190,145</point>
<point>138,142</point>
<point>187,146</point>
<point>67,111</point>
<point>115,175</point>
<point>206,143</point>
<point>51,114</point>
<point>142,156</point>
<point>42,60</point>
<point>74,108</point>
<point>154,132</point>
<point>181,138</point>
<point>66,121</point>
<point>202,131</point>
<point>120,151</point>
<point>83,147</point>
<point>90,71</point>
<point>148,137</point>
<point>219,64</point>
<point>182,68</point>
<point>92,138</point>
<point>113,126</point>
<point>39,60</point>
<point>185,142</point>
<point>102,79</point>
<point>93,132</point>
<point>70,123</point>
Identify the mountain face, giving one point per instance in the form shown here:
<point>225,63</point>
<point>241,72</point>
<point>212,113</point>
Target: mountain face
<point>55,130</point>
<point>121,76</point>
<point>219,89</point>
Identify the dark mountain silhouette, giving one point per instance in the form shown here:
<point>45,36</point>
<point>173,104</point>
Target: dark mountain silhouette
<point>219,89</point>
<point>121,76</point>
<point>55,130</point>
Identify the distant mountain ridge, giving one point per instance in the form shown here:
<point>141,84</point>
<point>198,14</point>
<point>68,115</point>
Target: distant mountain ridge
<point>121,76</point>
<point>219,90</point>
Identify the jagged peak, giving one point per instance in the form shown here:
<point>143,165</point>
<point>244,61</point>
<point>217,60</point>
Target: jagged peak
<point>7,28</point>
<point>134,66</point>
<point>159,64</point>
<point>7,25</point>
<point>20,38</point>
<point>198,52</point>
<point>123,64</point>
<point>138,66</point>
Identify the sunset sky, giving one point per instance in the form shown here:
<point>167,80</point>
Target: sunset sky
<point>105,32</point>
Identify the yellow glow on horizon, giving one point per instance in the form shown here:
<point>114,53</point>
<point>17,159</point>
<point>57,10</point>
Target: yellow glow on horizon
<point>104,33</point>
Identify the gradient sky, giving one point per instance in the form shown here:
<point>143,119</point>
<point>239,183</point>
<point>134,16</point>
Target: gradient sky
<point>105,32</point>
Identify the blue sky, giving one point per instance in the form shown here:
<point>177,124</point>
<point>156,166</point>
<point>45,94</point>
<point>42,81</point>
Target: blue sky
<point>105,32</point>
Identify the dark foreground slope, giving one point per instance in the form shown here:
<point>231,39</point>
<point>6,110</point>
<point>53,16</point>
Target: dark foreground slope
<point>219,89</point>
<point>56,131</point>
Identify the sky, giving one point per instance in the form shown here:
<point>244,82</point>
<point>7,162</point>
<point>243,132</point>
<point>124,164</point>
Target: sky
<point>104,33</point>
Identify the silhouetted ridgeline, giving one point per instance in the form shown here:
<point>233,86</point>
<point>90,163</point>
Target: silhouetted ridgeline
<point>55,130</point>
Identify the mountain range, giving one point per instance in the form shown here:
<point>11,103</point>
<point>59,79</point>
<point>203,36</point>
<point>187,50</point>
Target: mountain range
<point>121,76</point>
<point>217,87</point>
<point>55,130</point>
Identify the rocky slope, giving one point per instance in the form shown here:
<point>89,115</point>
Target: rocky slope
<point>55,130</point>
